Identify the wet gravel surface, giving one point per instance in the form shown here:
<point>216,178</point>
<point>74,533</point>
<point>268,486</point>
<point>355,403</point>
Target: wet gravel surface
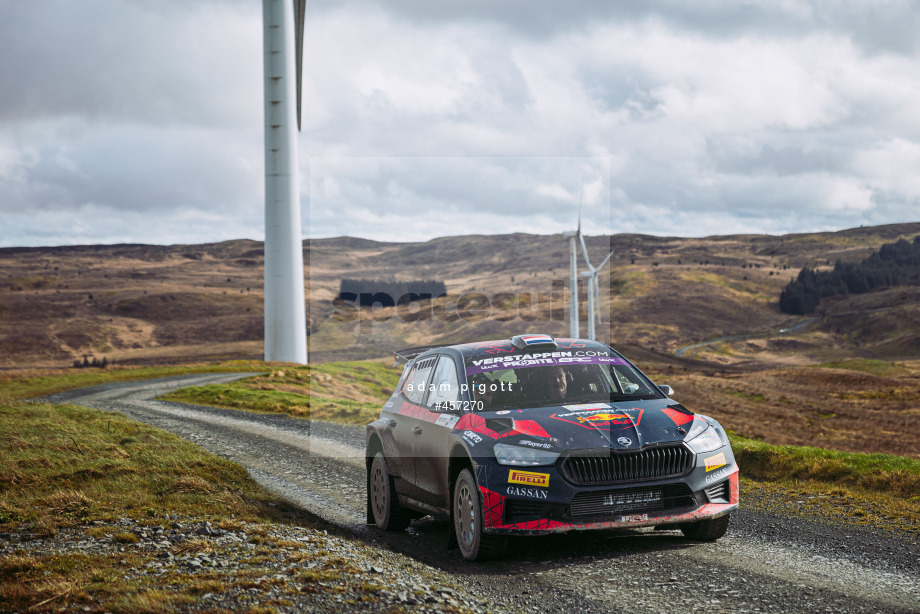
<point>767,563</point>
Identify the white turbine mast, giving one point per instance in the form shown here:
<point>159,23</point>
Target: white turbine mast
<point>573,236</point>
<point>594,299</point>
<point>285,298</point>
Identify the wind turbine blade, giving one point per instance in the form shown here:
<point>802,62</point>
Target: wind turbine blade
<point>601,265</point>
<point>584,250</point>
<point>299,11</point>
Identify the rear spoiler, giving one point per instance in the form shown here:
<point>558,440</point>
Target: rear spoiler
<point>403,356</point>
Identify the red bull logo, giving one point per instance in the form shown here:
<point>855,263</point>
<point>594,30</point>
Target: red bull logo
<point>612,418</point>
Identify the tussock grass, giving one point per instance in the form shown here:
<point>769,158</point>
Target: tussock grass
<point>34,383</point>
<point>342,392</point>
<point>880,368</point>
<point>82,464</point>
<point>63,466</point>
<point>883,473</point>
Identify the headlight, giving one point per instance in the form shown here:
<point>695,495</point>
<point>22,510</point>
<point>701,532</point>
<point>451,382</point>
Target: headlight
<point>523,457</point>
<point>707,441</point>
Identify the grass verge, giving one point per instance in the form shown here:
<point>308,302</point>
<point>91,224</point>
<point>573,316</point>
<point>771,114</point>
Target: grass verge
<point>341,392</point>
<point>65,468</point>
<point>34,383</point>
<point>872,489</point>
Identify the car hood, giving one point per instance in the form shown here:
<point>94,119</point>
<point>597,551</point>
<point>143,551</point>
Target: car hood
<point>613,425</point>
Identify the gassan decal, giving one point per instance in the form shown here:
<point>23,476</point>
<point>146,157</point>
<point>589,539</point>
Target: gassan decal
<point>714,462</point>
<point>528,478</point>
<point>447,420</point>
<point>718,475</point>
<point>533,493</point>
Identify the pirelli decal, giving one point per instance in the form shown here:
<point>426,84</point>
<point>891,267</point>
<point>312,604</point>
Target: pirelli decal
<point>714,462</point>
<point>529,478</point>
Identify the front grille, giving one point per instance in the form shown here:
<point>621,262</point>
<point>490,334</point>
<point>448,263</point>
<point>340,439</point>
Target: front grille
<point>719,493</point>
<point>649,464</point>
<point>632,500</point>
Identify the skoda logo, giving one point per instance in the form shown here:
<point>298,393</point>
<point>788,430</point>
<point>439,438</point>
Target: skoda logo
<point>624,441</point>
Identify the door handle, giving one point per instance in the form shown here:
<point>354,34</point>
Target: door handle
<point>392,424</point>
<point>417,430</point>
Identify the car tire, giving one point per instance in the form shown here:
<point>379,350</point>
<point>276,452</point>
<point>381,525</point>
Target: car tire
<point>388,515</point>
<point>467,511</point>
<point>708,530</point>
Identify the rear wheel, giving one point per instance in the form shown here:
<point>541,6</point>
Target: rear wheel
<point>708,530</point>
<point>474,544</point>
<point>388,515</point>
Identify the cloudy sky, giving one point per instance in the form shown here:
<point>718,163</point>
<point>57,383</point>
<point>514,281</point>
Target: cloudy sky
<point>138,121</point>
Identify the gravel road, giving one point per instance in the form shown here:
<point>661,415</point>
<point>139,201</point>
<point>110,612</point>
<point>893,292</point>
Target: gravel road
<point>766,563</point>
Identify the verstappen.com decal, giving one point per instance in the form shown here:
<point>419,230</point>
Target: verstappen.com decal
<point>529,478</point>
<point>497,363</point>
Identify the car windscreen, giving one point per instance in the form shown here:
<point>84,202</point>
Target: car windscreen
<point>528,381</point>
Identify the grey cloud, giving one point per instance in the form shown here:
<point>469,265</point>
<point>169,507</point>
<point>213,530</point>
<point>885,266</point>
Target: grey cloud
<point>876,26</point>
<point>108,60</point>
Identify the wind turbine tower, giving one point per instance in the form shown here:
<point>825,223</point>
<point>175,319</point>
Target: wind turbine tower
<point>573,284</point>
<point>285,311</point>
<point>594,299</point>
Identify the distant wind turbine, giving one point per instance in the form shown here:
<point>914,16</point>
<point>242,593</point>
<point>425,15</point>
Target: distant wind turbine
<point>285,311</point>
<point>572,236</point>
<point>594,299</point>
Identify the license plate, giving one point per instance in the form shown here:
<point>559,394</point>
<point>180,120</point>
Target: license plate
<point>634,518</point>
<point>628,498</point>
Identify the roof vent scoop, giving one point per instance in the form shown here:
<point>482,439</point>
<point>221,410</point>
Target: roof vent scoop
<point>533,342</point>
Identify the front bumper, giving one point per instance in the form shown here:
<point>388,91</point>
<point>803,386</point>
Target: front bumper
<point>592,509</point>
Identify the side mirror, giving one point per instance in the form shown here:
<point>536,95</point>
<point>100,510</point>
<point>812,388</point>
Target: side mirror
<point>666,390</point>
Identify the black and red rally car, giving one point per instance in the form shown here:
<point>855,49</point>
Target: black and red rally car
<point>535,435</point>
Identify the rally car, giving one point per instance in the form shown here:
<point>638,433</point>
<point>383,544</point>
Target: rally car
<point>535,435</point>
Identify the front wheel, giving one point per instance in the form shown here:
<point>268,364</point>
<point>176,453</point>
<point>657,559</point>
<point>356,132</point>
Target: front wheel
<point>388,515</point>
<point>474,544</point>
<point>708,530</point>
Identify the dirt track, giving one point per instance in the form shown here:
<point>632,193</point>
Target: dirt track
<point>767,563</point>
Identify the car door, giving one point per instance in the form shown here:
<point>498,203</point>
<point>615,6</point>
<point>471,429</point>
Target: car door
<point>432,449</point>
<point>405,424</point>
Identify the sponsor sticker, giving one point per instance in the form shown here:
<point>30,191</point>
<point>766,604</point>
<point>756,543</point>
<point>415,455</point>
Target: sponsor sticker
<point>472,437</point>
<point>447,420</point>
<point>714,462</point>
<point>712,477</point>
<point>533,493</point>
<point>535,444</point>
<point>588,407</point>
<point>528,478</point>
<point>634,518</point>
